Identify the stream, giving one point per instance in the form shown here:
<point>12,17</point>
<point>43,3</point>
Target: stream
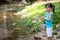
<point>7,24</point>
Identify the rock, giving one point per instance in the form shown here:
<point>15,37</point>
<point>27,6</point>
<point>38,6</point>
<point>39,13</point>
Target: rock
<point>42,25</point>
<point>54,32</point>
<point>58,35</point>
<point>54,37</point>
<point>19,39</point>
<point>44,38</point>
<point>44,34</point>
<point>37,37</point>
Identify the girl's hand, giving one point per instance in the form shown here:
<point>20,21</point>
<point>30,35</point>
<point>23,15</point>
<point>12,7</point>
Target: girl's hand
<point>43,17</point>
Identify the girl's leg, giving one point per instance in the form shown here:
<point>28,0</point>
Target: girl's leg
<point>49,33</point>
<point>49,38</point>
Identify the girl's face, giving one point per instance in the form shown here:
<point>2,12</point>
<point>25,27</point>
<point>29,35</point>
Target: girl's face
<point>48,9</point>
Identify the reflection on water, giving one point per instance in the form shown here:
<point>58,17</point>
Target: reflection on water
<point>8,28</point>
<point>6,20</point>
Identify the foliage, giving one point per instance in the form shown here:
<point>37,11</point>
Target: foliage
<point>39,10</point>
<point>56,15</point>
<point>31,14</point>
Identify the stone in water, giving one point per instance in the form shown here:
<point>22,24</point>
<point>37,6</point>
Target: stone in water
<point>14,24</point>
<point>4,17</point>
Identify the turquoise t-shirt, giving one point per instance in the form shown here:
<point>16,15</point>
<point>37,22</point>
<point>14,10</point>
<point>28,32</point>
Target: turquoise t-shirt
<point>48,23</point>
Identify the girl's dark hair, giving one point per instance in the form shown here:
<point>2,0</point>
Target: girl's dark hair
<point>50,5</point>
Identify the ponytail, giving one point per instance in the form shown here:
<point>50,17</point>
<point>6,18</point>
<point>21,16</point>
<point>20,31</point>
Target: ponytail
<point>51,6</point>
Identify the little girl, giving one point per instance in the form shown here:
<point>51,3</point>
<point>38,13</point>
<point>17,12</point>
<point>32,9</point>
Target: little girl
<point>48,17</point>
